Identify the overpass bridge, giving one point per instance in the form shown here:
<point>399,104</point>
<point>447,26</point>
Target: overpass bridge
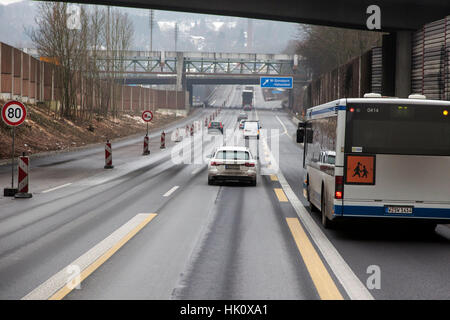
<point>183,68</point>
<point>186,69</point>
<point>135,62</point>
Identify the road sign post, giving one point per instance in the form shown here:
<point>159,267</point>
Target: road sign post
<point>13,114</point>
<point>147,116</point>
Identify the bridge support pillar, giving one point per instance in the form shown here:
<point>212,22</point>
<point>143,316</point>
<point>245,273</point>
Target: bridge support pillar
<point>396,79</point>
<point>181,74</point>
<point>403,59</point>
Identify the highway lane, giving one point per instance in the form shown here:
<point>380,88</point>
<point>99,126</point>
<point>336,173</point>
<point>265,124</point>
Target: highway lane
<point>206,244</point>
<point>48,227</point>
<point>177,255</point>
<point>227,241</point>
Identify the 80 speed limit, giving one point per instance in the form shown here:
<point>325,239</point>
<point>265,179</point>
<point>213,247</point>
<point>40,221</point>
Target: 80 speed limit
<point>14,113</point>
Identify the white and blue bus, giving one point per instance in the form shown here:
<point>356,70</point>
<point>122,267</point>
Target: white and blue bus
<point>377,157</point>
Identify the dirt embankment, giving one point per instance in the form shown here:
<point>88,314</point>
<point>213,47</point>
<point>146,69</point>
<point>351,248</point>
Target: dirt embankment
<point>42,132</point>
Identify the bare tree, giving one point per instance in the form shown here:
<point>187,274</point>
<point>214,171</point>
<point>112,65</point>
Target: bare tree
<point>85,73</point>
<point>66,47</point>
<point>325,48</point>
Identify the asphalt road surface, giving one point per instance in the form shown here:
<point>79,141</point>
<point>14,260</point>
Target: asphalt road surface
<point>152,228</point>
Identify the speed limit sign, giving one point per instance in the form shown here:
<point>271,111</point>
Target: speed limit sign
<point>147,116</point>
<point>14,113</point>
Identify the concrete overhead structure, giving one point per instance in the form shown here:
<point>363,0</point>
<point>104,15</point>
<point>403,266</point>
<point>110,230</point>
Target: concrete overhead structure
<point>395,14</point>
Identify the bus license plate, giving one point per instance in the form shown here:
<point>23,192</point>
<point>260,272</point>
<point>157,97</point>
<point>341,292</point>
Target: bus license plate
<point>398,209</point>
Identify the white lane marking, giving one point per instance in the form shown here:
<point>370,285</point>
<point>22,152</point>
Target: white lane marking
<point>284,127</point>
<point>349,281</point>
<point>60,279</point>
<point>168,193</point>
<point>56,188</point>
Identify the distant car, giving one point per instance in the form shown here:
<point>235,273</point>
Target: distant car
<point>251,129</point>
<point>241,116</point>
<point>232,163</point>
<point>241,124</point>
<point>215,126</point>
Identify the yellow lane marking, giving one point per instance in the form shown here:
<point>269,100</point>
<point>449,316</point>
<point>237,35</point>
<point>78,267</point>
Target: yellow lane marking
<point>280,194</point>
<point>273,177</point>
<point>321,278</point>
<point>61,293</point>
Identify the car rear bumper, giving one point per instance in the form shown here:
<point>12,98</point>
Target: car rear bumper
<point>233,177</point>
<point>244,175</point>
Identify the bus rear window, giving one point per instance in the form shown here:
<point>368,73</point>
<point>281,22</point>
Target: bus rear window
<point>398,129</point>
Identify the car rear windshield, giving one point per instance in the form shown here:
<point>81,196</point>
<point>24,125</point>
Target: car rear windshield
<point>232,155</point>
<point>251,125</point>
<point>215,124</point>
<point>398,129</point>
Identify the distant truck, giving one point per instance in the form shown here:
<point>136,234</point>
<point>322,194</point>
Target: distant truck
<point>247,98</point>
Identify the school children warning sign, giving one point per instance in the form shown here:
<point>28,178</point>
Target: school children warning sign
<point>360,169</point>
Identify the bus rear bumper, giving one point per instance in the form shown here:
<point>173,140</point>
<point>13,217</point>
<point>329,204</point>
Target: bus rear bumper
<point>441,214</point>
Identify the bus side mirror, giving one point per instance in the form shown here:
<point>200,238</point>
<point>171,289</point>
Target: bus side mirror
<point>300,135</point>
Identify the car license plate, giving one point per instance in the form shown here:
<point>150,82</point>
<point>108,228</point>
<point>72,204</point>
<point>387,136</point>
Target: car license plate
<point>398,209</point>
<point>232,166</point>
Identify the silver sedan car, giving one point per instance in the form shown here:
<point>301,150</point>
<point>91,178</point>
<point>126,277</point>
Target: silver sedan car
<point>232,163</point>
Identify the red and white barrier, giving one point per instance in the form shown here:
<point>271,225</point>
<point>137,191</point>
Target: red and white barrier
<point>176,136</point>
<point>23,178</point>
<point>108,155</point>
<point>146,146</point>
<point>163,140</point>
<point>192,129</point>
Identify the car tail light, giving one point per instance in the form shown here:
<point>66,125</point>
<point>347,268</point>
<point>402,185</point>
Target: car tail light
<point>215,163</point>
<point>221,125</point>
<point>249,164</point>
<point>339,187</point>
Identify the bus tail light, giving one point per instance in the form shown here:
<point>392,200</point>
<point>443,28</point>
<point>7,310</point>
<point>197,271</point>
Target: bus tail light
<point>339,187</point>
